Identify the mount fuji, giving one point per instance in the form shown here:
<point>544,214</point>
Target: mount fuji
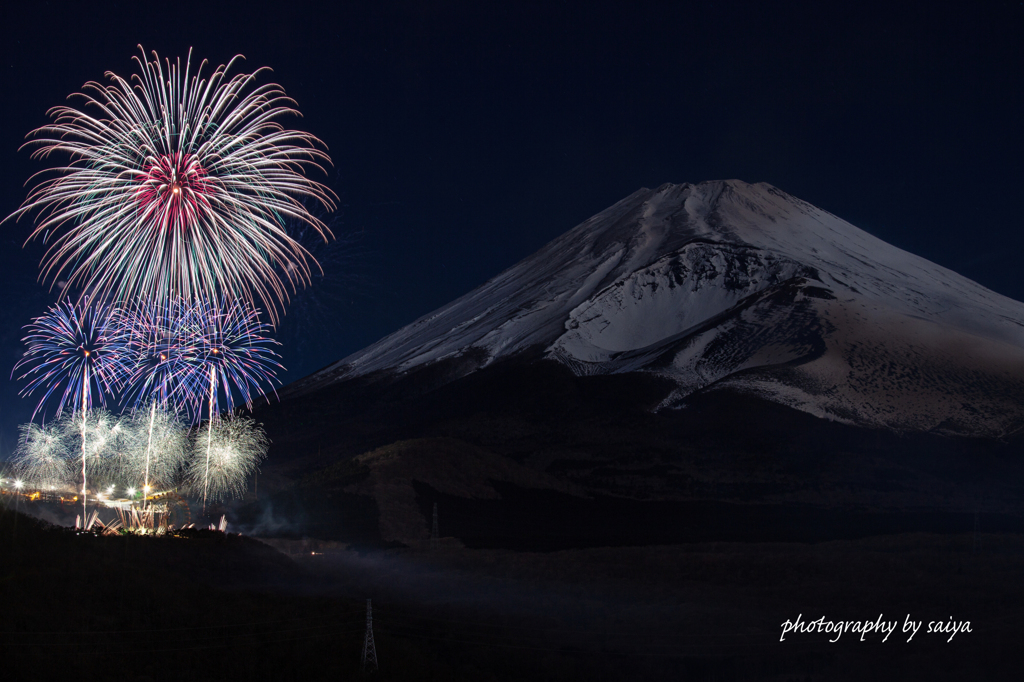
<point>729,285</point>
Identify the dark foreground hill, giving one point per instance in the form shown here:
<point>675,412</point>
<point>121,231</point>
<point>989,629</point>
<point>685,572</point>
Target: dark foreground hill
<point>218,607</point>
<point>79,606</point>
<point>208,606</point>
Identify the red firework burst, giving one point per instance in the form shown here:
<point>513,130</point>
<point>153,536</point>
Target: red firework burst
<point>174,192</point>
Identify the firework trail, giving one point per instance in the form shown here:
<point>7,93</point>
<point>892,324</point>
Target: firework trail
<point>77,346</point>
<point>164,339</point>
<point>218,470</point>
<point>232,347</point>
<point>102,431</point>
<point>178,187</point>
<point>112,443</point>
<point>233,344</point>
<point>146,449</point>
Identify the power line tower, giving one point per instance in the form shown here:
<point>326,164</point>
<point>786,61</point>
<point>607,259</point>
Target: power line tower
<point>369,650</point>
<point>434,535</point>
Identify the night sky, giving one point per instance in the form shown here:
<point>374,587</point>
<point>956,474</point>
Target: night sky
<point>465,137</point>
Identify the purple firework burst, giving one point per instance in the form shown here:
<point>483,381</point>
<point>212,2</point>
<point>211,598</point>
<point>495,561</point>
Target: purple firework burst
<point>77,351</point>
<point>163,339</point>
<point>231,354</point>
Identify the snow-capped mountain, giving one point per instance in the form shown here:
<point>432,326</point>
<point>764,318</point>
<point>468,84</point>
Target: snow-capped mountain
<point>727,284</point>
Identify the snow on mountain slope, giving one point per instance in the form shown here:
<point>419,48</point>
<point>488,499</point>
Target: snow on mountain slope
<point>741,285</point>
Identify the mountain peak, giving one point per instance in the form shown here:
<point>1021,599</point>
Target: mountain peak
<point>730,283</point>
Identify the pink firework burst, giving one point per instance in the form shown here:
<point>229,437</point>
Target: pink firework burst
<point>179,187</point>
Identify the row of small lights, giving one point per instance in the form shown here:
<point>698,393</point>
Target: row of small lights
<point>19,484</point>
<point>131,491</point>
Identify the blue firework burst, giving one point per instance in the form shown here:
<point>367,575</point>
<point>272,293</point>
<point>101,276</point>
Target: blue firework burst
<point>76,352</point>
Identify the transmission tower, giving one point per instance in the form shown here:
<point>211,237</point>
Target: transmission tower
<point>369,650</point>
<point>434,535</point>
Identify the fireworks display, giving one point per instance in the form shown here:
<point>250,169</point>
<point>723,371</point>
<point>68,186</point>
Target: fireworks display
<point>118,450</point>
<point>178,187</point>
<point>41,456</point>
<point>232,354</point>
<point>171,355</point>
<point>125,455</point>
<point>218,468</point>
<point>102,435</point>
<point>160,449</point>
<point>172,219</point>
<point>77,347</point>
<point>162,339</point>
<point>194,356</point>
<point>132,460</point>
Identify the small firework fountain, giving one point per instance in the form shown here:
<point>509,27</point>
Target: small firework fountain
<point>41,457</point>
<point>172,221</point>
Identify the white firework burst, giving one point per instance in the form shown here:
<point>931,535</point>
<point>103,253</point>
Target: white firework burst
<point>223,455</point>
<point>98,432</point>
<point>41,457</point>
<point>160,446</point>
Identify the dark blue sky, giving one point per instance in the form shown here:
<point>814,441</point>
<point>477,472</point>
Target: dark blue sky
<point>465,137</point>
